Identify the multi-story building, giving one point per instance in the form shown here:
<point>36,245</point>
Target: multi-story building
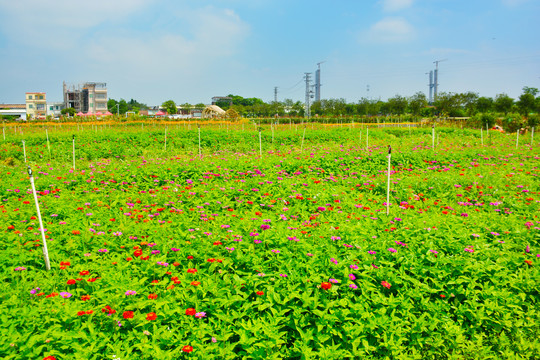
<point>90,97</point>
<point>36,104</point>
<point>54,108</point>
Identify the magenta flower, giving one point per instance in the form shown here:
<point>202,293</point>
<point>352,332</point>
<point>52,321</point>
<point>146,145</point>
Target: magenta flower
<point>392,250</point>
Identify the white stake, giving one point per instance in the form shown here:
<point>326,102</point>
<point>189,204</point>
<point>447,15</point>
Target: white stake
<point>367,138</point>
<point>4,132</point>
<point>272,126</point>
<point>482,136</point>
<point>360,138</point>
<point>24,150</point>
<point>48,144</point>
<point>532,136</point>
<point>165,138</point>
<point>388,182</point>
<point>200,153</point>
<point>260,143</point>
<point>432,137</point>
<point>45,251</point>
<point>303,136</point>
<point>73,152</point>
<point>517,138</point>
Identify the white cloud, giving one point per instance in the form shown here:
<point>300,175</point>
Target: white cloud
<point>215,34</point>
<point>396,5</point>
<point>391,30</point>
<point>59,24</point>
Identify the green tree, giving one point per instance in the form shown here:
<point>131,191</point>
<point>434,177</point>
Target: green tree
<point>503,103</point>
<point>111,105</point>
<point>526,103</point>
<point>468,102</point>
<point>123,106</point>
<point>530,90</point>
<point>68,111</point>
<point>417,102</point>
<point>397,104</point>
<point>484,104</point>
<point>170,107</point>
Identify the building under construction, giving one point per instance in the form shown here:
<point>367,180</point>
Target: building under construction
<point>88,98</point>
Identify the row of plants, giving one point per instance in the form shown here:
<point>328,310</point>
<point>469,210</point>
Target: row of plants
<point>164,254</point>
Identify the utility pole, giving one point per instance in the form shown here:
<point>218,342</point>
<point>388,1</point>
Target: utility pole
<point>275,94</point>
<point>307,77</point>
<point>436,78</point>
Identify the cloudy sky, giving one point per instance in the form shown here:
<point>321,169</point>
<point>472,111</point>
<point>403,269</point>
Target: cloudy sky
<point>189,51</point>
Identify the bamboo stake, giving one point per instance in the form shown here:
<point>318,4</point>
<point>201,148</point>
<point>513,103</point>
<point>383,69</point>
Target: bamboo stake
<point>517,139</point>
<point>24,150</point>
<point>433,137</point>
<point>367,138</point>
<point>532,136</point>
<point>42,230</point>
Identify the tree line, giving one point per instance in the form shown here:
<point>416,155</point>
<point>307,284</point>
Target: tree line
<point>446,104</point>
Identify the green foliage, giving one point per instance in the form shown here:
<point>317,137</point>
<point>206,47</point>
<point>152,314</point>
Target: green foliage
<point>503,103</point>
<point>533,120</point>
<point>68,111</point>
<point>460,281</point>
<point>512,122</point>
<point>170,107</point>
<point>483,120</point>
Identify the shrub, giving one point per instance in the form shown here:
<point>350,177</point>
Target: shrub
<point>512,122</point>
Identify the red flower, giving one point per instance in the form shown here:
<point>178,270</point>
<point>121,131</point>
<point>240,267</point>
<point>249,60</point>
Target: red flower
<point>195,283</point>
<point>71,282</point>
<point>529,262</point>
<point>152,296</point>
<point>76,232</point>
<point>50,357</point>
<point>151,316</point>
<point>260,293</point>
<point>176,263</point>
<point>85,297</point>
<point>108,310</point>
<point>386,284</point>
<point>52,295</point>
<point>84,272</point>
<point>191,312</point>
<point>326,285</point>
<point>88,312</point>
<point>80,313</point>
<point>127,315</point>
<point>187,349</point>
<point>190,257</point>
<point>218,243</point>
<point>137,253</point>
<point>192,271</point>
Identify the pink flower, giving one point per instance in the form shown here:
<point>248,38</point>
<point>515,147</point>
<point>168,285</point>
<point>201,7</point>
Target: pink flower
<point>386,284</point>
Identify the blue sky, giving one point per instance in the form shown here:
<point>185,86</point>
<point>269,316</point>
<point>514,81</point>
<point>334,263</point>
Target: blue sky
<point>189,51</point>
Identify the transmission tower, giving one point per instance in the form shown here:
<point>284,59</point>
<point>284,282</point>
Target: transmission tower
<point>318,81</point>
<point>307,78</point>
<point>436,78</point>
<point>431,86</point>
<point>275,94</point>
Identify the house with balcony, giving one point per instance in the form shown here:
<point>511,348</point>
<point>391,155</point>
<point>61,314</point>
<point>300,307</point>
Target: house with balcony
<point>36,104</point>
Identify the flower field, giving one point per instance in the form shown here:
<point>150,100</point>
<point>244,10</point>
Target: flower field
<point>158,252</point>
